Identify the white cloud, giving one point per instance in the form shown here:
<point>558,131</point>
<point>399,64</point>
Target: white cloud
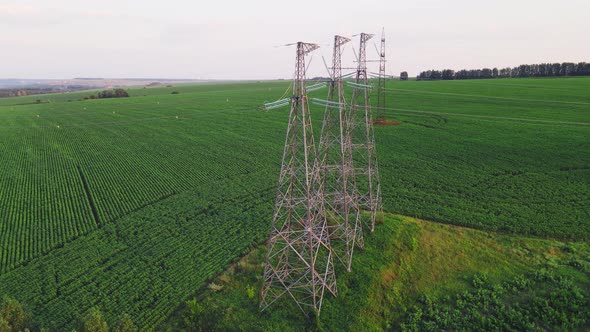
<point>18,10</point>
<point>23,12</point>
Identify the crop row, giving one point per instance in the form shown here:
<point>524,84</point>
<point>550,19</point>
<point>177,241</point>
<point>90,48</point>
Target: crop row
<point>42,200</point>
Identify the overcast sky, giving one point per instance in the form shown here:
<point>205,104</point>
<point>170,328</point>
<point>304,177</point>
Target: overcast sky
<point>238,39</point>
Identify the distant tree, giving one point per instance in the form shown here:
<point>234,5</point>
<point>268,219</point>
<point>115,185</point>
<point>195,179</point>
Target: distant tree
<point>514,72</point>
<point>120,93</point>
<point>495,73</point>
<point>505,72</point>
<point>436,75</point>
<point>94,322</point>
<point>566,68</point>
<point>582,69</point>
<point>524,71</point>
<point>403,76</point>
<point>464,74</point>
<point>556,69</point>
<point>542,70</point>
<point>448,74</point>
<point>117,93</point>
<point>486,73</point>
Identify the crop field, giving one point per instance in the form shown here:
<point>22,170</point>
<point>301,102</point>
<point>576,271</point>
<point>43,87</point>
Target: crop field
<point>132,204</point>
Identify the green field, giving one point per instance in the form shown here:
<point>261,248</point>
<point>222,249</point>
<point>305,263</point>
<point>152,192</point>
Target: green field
<point>132,204</point>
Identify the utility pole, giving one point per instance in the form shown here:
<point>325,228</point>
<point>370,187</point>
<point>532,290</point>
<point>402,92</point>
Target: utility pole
<point>381,83</point>
<point>363,139</point>
<point>337,169</point>
<point>299,261</point>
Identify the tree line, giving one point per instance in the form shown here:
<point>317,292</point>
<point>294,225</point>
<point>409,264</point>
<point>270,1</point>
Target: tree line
<point>535,70</point>
<point>116,93</point>
<point>21,92</point>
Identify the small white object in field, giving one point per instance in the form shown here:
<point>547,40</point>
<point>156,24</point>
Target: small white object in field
<point>84,108</point>
<point>57,126</point>
<point>37,115</point>
<point>177,116</point>
<point>113,112</point>
<point>158,103</point>
<point>227,100</point>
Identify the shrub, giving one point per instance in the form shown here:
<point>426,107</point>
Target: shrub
<point>116,93</point>
<point>125,324</point>
<point>13,314</point>
<point>94,322</point>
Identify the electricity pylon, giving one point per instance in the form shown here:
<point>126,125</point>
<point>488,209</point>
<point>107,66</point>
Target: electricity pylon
<point>363,139</point>
<point>381,82</point>
<point>337,169</point>
<point>299,262</point>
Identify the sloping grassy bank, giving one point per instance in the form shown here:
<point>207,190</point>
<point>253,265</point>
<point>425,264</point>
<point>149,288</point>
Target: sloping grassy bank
<point>411,275</point>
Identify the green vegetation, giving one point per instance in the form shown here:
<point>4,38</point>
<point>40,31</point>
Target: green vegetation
<point>133,204</point>
<point>13,316</point>
<point>115,93</point>
<point>95,322</point>
<point>125,324</point>
<point>539,302</point>
<point>406,278</point>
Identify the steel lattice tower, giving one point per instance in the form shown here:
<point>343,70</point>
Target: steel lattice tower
<point>381,83</point>
<point>299,260</point>
<point>337,169</point>
<point>363,139</point>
